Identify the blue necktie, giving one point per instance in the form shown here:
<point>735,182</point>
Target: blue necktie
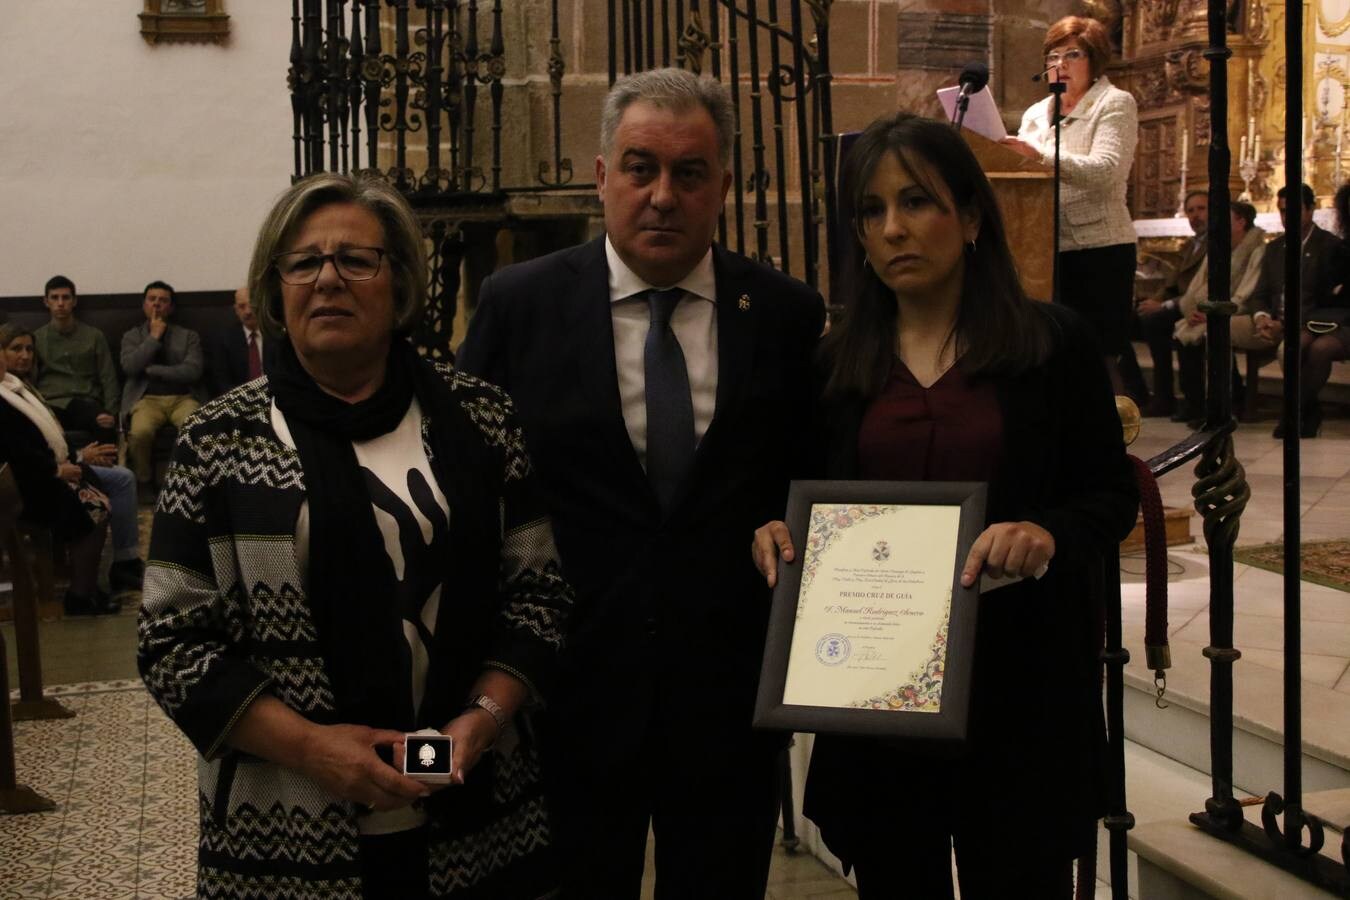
<point>670,408</point>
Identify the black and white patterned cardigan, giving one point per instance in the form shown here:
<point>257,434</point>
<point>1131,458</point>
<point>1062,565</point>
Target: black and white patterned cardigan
<point>225,618</point>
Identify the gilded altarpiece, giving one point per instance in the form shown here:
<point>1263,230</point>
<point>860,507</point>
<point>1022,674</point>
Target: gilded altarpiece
<point>1162,64</point>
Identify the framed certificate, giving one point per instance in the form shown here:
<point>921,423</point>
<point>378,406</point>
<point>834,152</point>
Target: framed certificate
<point>871,632</point>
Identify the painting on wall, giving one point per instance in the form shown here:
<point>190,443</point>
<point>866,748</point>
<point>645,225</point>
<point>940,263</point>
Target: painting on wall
<point>185,21</point>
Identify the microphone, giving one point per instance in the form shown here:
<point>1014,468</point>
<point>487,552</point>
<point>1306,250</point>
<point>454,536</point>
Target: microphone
<point>973,79</point>
<point>1044,73</point>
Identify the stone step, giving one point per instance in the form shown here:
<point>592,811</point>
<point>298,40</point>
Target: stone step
<point>1181,731</point>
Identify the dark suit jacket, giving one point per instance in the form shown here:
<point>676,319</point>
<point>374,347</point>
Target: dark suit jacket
<point>668,629</point>
<point>1192,256</point>
<point>1036,715</point>
<point>47,500</point>
<point>1323,269</point>
<point>227,359</point>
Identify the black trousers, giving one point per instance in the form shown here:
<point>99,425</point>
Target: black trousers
<point>1098,284</point>
<point>1156,330</point>
<point>81,414</point>
<point>710,798</point>
<point>992,864</point>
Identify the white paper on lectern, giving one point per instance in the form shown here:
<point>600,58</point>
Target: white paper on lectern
<point>982,117</point>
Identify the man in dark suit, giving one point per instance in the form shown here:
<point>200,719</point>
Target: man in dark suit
<point>662,382</point>
<point>1321,275</point>
<point>238,354</point>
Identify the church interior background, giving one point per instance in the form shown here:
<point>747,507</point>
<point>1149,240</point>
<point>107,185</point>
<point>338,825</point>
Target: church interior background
<point>133,153</point>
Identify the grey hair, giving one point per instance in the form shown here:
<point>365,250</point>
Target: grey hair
<point>403,246</point>
<point>673,89</point>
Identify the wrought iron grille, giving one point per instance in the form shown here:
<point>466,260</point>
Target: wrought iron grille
<point>425,92</point>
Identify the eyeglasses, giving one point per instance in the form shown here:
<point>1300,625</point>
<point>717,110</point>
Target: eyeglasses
<point>1068,56</point>
<point>352,263</point>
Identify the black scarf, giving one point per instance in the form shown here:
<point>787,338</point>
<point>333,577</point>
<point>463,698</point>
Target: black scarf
<point>360,625</point>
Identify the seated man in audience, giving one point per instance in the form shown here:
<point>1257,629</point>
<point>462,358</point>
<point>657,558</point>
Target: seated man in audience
<point>75,370</point>
<point>1156,316</point>
<point>239,354</point>
<point>164,365</point>
<point>1321,276</point>
<point>1248,243</point>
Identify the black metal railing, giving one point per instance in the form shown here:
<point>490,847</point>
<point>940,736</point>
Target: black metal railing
<point>1221,493</point>
<point>416,90</point>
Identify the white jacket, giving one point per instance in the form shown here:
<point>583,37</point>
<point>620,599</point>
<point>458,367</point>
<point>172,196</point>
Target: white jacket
<point>1096,151</point>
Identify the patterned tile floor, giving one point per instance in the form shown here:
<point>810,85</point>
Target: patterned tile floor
<point>124,783</point>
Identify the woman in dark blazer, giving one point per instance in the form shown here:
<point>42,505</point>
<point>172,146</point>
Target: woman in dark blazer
<point>942,369</point>
<point>55,492</point>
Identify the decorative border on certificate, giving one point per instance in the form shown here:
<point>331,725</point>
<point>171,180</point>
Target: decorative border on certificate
<point>827,523</point>
<point>872,633</point>
<point>923,691</point>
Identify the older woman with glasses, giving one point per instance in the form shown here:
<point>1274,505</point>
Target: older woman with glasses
<point>346,551</point>
<point>1098,131</point>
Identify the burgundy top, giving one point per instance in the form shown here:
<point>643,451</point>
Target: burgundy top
<point>950,431</point>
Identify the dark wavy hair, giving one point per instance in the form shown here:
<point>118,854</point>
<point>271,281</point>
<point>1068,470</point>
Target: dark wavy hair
<point>998,329</point>
<point>1342,204</point>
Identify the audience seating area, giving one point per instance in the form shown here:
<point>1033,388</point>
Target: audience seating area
<point>206,312</point>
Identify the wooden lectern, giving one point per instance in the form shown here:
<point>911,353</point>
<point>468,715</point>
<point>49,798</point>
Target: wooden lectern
<point>1024,189</point>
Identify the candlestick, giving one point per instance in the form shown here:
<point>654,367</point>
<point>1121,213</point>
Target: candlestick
<point>1242,150</point>
<point>1251,128</point>
<point>1256,149</point>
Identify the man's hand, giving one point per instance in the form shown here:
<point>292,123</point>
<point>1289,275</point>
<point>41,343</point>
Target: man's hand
<point>1009,548</point>
<point>69,472</point>
<point>104,420</point>
<point>1150,306</point>
<point>771,542</point>
<point>157,326</point>
<point>1196,318</point>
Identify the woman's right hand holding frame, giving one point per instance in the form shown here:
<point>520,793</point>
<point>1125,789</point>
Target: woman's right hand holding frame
<point>772,541</point>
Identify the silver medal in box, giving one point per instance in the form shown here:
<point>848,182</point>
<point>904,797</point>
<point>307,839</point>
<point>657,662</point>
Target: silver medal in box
<point>427,756</point>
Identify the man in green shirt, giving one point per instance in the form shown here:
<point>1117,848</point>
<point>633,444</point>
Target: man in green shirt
<point>75,367</point>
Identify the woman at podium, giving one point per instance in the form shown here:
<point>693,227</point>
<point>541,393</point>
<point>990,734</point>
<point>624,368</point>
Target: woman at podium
<point>1099,126</point>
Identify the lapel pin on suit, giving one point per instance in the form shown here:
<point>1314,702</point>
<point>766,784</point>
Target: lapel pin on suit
<point>744,303</point>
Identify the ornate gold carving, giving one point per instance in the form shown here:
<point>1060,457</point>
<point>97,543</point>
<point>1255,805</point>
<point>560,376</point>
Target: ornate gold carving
<point>1332,29</point>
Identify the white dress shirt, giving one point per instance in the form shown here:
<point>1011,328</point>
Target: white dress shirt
<point>694,322</point>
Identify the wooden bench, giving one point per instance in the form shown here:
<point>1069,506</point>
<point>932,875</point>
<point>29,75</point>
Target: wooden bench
<point>15,797</point>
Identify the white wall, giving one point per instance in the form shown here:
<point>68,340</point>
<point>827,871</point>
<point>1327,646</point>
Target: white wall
<point>121,162</point>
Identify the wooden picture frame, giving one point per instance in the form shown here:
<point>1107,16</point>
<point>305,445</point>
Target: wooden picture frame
<point>874,540</point>
<point>185,21</point>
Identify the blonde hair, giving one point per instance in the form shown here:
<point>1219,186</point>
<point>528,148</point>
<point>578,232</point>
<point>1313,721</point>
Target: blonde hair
<point>403,243</point>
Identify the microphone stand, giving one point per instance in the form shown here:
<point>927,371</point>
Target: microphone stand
<point>962,104</point>
<point>1056,89</point>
